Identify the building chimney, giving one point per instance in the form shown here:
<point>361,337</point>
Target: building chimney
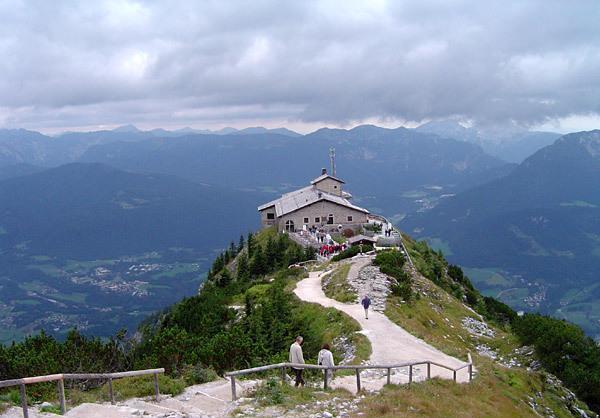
<point>323,171</point>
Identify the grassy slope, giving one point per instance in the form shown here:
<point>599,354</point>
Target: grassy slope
<point>495,392</point>
<point>336,285</point>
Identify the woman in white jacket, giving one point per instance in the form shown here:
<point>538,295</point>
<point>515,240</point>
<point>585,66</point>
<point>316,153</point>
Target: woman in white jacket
<point>325,358</point>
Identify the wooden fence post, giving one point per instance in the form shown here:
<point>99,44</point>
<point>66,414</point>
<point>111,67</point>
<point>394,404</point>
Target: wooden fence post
<point>410,374</point>
<point>61,396</point>
<point>24,400</point>
<point>156,389</point>
<point>389,375</point>
<point>454,377</point>
<point>428,370</point>
<point>111,392</point>
<point>233,394</point>
<point>357,380</point>
<point>325,376</point>
<point>470,372</point>
<point>283,379</point>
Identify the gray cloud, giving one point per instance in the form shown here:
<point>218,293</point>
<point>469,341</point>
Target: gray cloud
<point>67,63</point>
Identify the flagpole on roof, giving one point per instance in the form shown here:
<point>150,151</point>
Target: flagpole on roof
<point>332,160</point>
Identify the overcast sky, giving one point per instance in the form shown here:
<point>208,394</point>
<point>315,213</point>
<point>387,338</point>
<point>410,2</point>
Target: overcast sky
<point>301,64</point>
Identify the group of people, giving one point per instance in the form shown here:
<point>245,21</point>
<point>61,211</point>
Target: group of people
<point>325,356</point>
<point>328,249</point>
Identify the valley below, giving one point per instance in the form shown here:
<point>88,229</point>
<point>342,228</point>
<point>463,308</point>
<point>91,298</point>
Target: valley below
<point>96,297</point>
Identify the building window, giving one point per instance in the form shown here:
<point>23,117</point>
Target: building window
<point>350,218</point>
<point>330,219</point>
<point>335,187</point>
<point>305,220</point>
<point>317,220</point>
<point>289,226</point>
<point>270,216</point>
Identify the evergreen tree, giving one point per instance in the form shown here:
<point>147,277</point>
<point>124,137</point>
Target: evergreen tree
<point>258,263</point>
<point>243,271</point>
<point>224,278</point>
<point>250,241</point>
<point>240,244</point>
<point>271,255</point>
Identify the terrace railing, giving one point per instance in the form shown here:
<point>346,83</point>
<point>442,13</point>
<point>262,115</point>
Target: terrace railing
<point>357,369</point>
<point>60,384</point>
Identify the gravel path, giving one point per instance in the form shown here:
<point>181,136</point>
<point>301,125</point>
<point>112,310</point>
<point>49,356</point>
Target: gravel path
<point>390,343</point>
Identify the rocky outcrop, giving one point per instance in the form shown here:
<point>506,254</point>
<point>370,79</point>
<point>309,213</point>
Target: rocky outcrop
<point>370,281</point>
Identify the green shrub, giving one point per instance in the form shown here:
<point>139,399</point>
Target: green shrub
<point>270,393</point>
<point>137,387</point>
<point>497,311</point>
<point>564,350</point>
<point>12,396</point>
<point>196,375</point>
<point>351,252</point>
<point>51,409</point>
<point>390,263</point>
<point>390,258</point>
<point>372,227</point>
<point>403,290</point>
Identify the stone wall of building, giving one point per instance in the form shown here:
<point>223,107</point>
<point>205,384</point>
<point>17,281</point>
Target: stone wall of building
<point>322,210</point>
<point>264,217</point>
<point>331,186</point>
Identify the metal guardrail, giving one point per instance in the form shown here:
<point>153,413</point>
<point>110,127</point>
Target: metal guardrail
<point>60,383</point>
<point>283,366</point>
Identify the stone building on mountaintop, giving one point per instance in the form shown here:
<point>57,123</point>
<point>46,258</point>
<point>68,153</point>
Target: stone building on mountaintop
<point>323,204</point>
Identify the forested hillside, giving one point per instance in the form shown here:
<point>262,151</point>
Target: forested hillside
<point>532,237</point>
<point>246,315</point>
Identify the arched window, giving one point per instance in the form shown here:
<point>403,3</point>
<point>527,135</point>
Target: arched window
<point>330,219</point>
<point>289,226</point>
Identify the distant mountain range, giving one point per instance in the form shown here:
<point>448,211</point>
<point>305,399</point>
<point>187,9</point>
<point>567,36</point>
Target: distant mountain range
<point>416,166</point>
<point>18,146</point>
<point>224,131</point>
<point>420,168</point>
<point>511,145</point>
<point>542,221</point>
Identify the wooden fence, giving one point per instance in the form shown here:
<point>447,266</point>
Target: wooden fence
<point>60,384</point>
<point>357,369</point>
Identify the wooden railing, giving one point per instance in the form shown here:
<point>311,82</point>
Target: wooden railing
<point>60,383</point>
<point>283,366</point>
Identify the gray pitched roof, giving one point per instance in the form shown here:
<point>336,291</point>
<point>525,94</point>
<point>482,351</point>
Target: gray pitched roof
<point>325,176</point>
<point>358,238</point>
<point>306,196</point>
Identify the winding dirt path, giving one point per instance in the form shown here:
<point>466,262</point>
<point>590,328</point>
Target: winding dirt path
<point>390,343</point>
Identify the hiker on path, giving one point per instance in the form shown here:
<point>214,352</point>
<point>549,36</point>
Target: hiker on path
<point>325,358</point>
<point>296,357</point>
<point>366,302</point>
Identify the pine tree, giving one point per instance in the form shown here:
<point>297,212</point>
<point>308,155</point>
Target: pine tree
<point>240,244</point>
<point>225,278</point>
<point>243,272</point>
<point>271,255</point>
<point>258,263</point>
<point>250,244</point>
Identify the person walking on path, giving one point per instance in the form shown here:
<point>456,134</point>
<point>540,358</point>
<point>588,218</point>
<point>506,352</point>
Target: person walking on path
<point>296,357</point>
<point>366,302</point>
<point>325,358</point>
